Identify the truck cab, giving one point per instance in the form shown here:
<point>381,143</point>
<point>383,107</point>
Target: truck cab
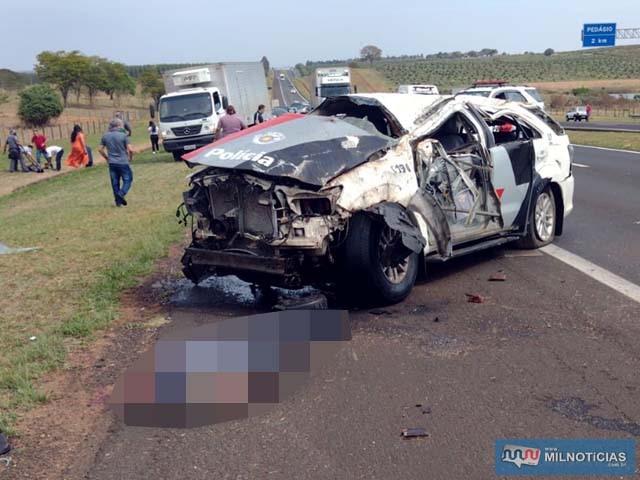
<point>189,118</point>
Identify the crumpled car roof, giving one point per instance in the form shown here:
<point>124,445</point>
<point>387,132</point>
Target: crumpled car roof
<point>308,149</point>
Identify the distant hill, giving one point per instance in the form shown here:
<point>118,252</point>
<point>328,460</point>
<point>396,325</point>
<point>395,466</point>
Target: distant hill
<point>10,80</point>
<point>589,64</point>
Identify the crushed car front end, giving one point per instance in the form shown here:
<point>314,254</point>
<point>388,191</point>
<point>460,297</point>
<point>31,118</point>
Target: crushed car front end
<point>263,231</point>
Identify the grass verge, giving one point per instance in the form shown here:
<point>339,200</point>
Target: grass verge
<point>621,140</point>
<point>89,252</point>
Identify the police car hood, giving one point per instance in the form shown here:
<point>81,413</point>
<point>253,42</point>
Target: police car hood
<point>310,149</point>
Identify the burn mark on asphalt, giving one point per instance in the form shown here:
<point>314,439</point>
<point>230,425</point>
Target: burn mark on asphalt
<point>575,408</point>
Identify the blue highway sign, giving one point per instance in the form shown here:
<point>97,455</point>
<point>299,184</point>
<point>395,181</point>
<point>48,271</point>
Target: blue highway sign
<point>599,35</point>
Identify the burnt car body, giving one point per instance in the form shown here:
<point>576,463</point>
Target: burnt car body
<point>366,188</point>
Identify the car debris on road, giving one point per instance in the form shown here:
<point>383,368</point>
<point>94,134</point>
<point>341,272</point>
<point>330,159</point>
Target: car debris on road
<point>414,432</point>
<point>473,298</point>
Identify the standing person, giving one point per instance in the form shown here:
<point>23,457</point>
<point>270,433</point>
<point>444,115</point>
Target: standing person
<point>58,152</point>
<point>116,150</point>
<point>15,154</point>
<point>125,124</point>
<point>40,142</point>
<point>153,136</point>
<point>230,123</point>
<point>79,156</point>
<point>258,117</point>
<point>588,111</point>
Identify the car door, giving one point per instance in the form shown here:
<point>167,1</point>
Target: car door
<point>513,155</point>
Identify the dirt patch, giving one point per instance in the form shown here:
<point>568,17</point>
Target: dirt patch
<point>60,439</point>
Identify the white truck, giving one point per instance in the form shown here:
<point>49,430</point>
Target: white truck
<point>197,98</point>
<point>331,82</point>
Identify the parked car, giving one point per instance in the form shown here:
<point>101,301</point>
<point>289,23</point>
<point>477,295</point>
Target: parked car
<point>419,89</point>
<point>513,93</point>
<point>577,114</point>
<point>277,111</point>
<point>361,192</point>
<point>299,107</point>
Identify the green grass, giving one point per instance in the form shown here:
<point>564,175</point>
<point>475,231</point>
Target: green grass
<point>621,140</point>
<point>90,252</point>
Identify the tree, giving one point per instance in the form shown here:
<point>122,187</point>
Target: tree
<point>265,65</point>
<point>63,69</point>
<point>39,104</point>
<point>370,53</point>
<point>548,52</point>
<point>118,82</point>
<point>152,84</point>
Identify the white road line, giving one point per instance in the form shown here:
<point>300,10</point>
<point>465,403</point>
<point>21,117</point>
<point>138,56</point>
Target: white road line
<point>603,276</point>
<point>605,148</point>
<point>580,165</point>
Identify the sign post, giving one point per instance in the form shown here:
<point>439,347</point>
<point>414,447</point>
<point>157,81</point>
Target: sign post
<point>599,35</point>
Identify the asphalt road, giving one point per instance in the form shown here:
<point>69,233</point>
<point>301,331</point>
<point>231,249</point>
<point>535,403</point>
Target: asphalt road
<point>282,89</point>
<point>631,127</point>
<point>551,353</point>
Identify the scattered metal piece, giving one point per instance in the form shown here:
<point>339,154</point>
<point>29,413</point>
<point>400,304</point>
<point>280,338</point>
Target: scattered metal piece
<point>414,432</point>
<point>472,298</point>
<point>426,411</point>
<point>380,312</point>
<point>499,276</point>
<point>7,250</point>
<point>310,302</point>
<point>6,461</point>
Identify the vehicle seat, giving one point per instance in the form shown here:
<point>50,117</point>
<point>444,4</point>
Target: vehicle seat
<point>449,137</point>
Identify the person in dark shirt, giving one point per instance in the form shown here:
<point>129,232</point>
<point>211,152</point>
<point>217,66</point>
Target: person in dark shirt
<point>15,154</point>
<point>258,117</point>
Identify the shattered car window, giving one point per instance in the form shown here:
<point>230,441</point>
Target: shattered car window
<point>368,116</point>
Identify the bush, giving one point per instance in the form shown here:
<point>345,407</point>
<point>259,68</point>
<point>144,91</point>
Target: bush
<point>38,105</point>
<point>581,91</point>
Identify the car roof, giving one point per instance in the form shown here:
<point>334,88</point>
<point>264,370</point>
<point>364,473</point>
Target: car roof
<point>406,107</point>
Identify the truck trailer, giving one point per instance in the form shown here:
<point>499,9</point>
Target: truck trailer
<point>196,99</point>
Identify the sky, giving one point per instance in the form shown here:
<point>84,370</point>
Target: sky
<point>288,32</point>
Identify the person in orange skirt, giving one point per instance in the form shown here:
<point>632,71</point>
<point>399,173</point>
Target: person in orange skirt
<point>79,156</point>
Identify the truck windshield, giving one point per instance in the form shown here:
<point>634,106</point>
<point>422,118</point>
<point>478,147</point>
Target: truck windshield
<point>185,107</point>
<point>334,90</point>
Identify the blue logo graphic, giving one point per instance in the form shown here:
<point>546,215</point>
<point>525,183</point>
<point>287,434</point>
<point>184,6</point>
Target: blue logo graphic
<point>565,457</point>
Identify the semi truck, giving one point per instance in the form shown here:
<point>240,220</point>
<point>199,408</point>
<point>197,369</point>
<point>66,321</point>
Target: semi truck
<point>196,99</point>
<point>330,82</point>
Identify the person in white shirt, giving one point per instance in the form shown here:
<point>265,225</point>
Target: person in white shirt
<point>153,136</point>
<point>58,152</point>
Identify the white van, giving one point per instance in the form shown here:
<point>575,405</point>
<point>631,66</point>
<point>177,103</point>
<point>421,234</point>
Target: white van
<point>419,89</point>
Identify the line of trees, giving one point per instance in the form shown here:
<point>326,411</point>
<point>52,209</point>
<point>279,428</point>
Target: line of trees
<point>74,72</point>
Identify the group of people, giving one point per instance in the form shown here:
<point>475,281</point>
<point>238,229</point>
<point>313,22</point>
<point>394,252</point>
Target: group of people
<point>232,123</point>
<point>115,148</point>
<point>22,155</point>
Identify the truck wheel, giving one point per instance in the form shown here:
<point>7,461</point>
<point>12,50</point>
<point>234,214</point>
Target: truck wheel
<point>177,156</point>
<point>378,267</point>
<point>542,222</point>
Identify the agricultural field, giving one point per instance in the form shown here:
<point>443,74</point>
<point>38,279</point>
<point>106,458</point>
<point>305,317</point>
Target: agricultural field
<point>574,67</point>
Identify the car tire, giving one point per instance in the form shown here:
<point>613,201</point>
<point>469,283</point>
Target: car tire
<point>365,275</point>
<point>542,221</point>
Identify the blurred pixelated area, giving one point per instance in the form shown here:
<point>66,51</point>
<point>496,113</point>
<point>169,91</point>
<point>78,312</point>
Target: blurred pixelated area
<point>228,370</point>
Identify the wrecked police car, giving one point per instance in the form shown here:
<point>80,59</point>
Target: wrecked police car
<point>362,191</point>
